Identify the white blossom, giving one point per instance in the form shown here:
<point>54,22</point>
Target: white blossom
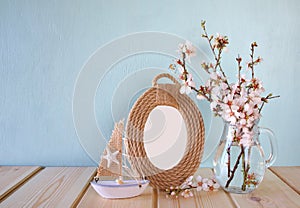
<point>188,49</point>
<point>185,89</point>
<point>238,103</point>
<point>200,97</point>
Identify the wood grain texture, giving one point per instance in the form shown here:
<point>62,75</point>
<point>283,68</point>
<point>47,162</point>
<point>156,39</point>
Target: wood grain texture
<point>93,200</point>
<point>69,187</point>
<point>271,193</point>
<point>12,176</point>
<point>52,187</point>
<point>290,175</point>
<point>201,199</point>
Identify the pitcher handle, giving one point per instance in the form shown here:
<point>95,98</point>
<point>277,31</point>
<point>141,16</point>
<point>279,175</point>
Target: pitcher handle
<point>273,144</point>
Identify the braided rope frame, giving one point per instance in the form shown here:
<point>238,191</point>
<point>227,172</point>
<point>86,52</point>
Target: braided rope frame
<point>164,94</point>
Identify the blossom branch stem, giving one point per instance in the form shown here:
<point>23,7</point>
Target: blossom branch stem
<point>265,100</point>
<point>228,161</point>
<point>244,170</point>
<point>209,42</point>
<point>235,167</point>
<point>183,62</point>
<point>203,94</point>
<point>239,60</point>
<point>185,72</point>
<point>217,57</point>
<point>219,65</point>
<point>252,58</point>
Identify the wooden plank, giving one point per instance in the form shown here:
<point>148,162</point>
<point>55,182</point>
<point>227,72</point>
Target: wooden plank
<point>52,187</point>
<point>93,200</point>
<point>12,176</point>
<point>272,192</point>
<point>201,199</point>
<point>290,175</point>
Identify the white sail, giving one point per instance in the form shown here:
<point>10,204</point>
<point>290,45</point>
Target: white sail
<point>111,161</point>
<point>111,165</point>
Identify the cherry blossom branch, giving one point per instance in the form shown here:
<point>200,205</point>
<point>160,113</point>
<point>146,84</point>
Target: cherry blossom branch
<point>205,35</point>
<point>205,184</point>
<point>238,103</point>
<point>217,57</point>
<point>265,100</point>
<point>245,170</point>
<point>220,49</point>
<point>185,73</point>
<point>218,63</point>
<point>228,162</point>
<point>252,58</point>
<point>201,93</point>
<point>235,167</point>
<point>239,60</point>
<point>183,64</point>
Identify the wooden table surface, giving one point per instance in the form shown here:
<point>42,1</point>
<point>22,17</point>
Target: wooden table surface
<point>69,187</point>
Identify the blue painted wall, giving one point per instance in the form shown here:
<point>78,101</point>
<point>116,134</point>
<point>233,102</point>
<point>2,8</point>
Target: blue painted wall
<point>44,44</point>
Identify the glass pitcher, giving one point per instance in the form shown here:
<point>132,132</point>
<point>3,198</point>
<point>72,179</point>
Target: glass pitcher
<point>239,168</point>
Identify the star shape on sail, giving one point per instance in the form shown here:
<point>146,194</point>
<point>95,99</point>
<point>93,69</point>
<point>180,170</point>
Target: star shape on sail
<point>111,157</point>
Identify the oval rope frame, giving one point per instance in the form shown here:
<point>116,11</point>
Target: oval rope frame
<point>169,95</point>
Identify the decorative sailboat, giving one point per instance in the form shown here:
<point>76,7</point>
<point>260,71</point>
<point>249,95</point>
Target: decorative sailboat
<point>111,165</point>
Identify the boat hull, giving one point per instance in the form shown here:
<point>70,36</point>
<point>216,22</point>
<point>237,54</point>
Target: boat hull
<point>113,190</point>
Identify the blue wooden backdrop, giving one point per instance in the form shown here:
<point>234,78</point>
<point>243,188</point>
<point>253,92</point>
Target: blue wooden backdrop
<point>45,44</point>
